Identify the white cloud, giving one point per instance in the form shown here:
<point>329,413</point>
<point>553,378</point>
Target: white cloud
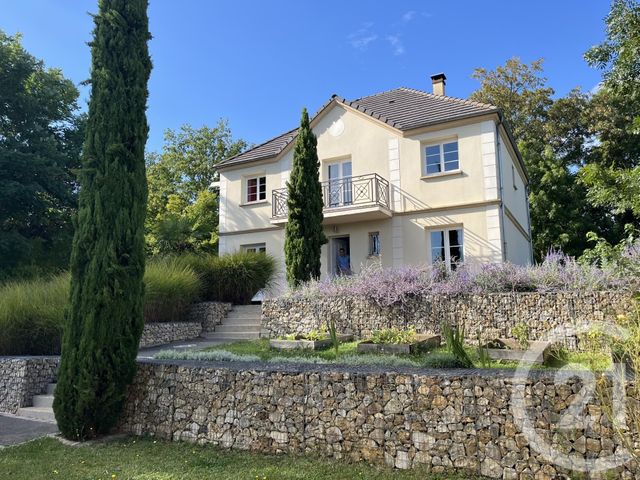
<point>396,44</point>
<point>361,38</point>
<point>408,16</point>
<point>596,88</point>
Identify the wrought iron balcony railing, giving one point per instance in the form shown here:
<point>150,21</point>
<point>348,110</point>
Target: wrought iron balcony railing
<point>360,191</point>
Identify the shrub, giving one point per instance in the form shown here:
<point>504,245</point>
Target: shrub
<point>394,286</point>
<point>443,360</point>
<point>454,337</point>
<point>170,287</point>
<point>393,336</point>
<point>32,315</point>
<point>233,278</point>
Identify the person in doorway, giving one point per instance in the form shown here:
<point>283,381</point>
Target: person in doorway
<point>343,263</point>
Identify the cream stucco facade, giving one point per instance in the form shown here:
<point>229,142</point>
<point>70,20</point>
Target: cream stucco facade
<point>486,197</point>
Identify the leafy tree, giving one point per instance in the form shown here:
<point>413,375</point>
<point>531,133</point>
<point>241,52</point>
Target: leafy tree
<point>304,236</point>
<point>105,321</point>
<point>552,136</point>
<point>613,175</point>
<point>182,213</point>
<point>520,92</point>
<point>40,143</point>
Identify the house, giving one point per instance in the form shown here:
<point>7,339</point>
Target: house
<point>408,177</point>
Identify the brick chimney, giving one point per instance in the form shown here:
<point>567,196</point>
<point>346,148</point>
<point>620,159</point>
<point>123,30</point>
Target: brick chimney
<point>438,82</point>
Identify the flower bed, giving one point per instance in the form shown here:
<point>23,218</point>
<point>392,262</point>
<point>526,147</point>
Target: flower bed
<point>392,286</point>
<point>395,341</point>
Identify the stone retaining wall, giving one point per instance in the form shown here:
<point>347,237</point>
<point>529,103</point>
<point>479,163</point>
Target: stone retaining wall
<point>203,317</point>
<point>493,314</point>
<point>455,420</point>
<point>160,333</point>
<point>23,377</point>
<point>209,314</point>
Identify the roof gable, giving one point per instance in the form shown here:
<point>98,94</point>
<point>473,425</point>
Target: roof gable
<point>402,108</point>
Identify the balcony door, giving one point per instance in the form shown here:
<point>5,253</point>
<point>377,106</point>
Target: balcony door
<point>340,188</point>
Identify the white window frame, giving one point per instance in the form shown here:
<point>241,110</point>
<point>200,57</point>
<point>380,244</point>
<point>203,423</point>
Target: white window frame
<point>246,187</point>
<point>254,247</point>
<point>446,244</point>
<point>340,193</point>
<point>372,244</point>
<point>440,145</point>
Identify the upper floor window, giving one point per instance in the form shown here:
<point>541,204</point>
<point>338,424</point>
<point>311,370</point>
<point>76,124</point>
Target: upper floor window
<point>442,157</point>
<point>447,247</point>
<point>256,189</point>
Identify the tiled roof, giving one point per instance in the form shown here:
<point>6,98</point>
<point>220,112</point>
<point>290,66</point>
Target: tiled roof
<point>406,109</point>
<point>401,108</point>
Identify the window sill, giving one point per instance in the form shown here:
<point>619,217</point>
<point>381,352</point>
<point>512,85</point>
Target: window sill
<point>452,173</point>
<point>251,204</point>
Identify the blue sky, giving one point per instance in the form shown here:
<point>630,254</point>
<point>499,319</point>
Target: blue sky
<point>257,63</point>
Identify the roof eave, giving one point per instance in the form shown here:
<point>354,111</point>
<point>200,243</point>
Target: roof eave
<point>514,144</point>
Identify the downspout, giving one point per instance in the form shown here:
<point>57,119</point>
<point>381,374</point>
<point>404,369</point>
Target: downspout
<point>500,190</point>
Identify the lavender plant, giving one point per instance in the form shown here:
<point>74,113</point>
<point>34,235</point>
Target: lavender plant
<point>558,272</point>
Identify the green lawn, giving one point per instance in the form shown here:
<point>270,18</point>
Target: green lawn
<point>145,459</point>
<point>260,348</point>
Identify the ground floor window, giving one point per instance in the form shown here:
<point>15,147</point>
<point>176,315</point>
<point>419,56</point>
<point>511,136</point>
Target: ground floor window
<point>447,246</point>
<point>374,244</point>
<point>255,248</point>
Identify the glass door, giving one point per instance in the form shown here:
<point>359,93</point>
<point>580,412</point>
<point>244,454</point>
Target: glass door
<point>340,188</point>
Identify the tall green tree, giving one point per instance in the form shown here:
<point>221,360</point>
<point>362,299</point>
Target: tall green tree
<point>40,143</point>
<point>612,176</point>
<point>182,211</point>
<point>552,136</point>
<point>105,321</point>
<point>304,236</point>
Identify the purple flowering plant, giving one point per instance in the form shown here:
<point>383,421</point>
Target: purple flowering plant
<point>558,272</point>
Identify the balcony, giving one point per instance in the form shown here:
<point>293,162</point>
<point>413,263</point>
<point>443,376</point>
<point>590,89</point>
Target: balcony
<point>349,199</point>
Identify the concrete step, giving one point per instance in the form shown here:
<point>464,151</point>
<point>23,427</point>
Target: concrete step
<point>51,388</point>
<point>238,327</point>
<point>242,315</point>
<point>37,413</point>
<point>232,336</point>
<point>43,401</point>
<point>246,311</point>
<point>241,321</point>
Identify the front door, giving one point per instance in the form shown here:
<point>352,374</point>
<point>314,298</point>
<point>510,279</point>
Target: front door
<point>340,256</point>
<point>340,189</point>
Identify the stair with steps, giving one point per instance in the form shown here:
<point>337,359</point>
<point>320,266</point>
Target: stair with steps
<point>42,409</point>
<point>242,322</point>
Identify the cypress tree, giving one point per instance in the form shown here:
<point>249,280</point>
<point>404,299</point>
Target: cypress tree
<point>105,319</point>
<point>304,236</point>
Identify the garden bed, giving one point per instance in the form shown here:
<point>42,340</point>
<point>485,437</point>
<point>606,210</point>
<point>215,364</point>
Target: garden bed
<point>535,352</point>
<point>422,343</point>
<point>306,344</point>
